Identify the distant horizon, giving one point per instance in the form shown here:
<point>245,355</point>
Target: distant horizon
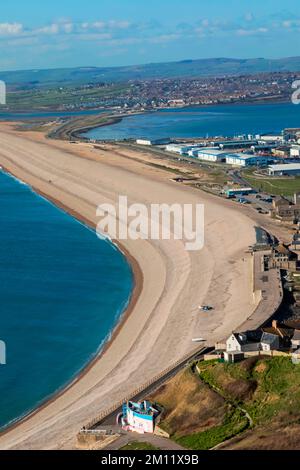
<point>142,64</point>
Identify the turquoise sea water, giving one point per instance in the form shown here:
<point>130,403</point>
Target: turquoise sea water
<point>226,120</point>
<point>62,291</point>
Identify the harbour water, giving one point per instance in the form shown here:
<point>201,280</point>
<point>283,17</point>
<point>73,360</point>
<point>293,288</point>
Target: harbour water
<point>62,291</point>
<point>222,120</point>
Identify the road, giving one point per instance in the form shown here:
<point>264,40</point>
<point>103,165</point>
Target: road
<point>110,419</point>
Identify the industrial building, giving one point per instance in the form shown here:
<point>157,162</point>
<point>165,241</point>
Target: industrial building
<point>289,169</point>
<point>233,144</point>
<point>271,138</point>
<point>244,159</point>
<point>181,149</point>
<point>263,147</point>
<point>210,155</point>
<point>153,141</point>
<point>295,151</point>
<point>194,152</point>
<point>237,144</point>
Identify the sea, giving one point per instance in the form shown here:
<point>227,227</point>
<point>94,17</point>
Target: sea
<point>62,289</point>
<point>205,121</point>
<point>62,292</point>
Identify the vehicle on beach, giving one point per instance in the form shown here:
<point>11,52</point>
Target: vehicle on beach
<point>206,308</point>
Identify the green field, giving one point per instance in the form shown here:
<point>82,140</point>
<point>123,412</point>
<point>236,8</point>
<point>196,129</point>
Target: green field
<point>276,186</point>
<point>53,98</point>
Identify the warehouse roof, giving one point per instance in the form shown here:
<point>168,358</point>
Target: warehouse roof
<point>287,166</point>
<point>242,156</point>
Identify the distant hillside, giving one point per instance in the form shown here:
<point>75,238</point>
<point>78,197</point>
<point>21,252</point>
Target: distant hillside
<point>186,68</point>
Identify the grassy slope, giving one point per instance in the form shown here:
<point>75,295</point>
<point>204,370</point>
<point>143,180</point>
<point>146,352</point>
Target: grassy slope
<point>195,416</point>
<point>200,414</point>
<point>269,390</point>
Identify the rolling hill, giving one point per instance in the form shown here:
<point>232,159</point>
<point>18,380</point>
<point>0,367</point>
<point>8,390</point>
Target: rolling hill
<point>186,68</point>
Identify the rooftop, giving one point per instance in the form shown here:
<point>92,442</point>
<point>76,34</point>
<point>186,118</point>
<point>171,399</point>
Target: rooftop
<point>287,166</point>
<point>242,156</point>
<point>212,151</point>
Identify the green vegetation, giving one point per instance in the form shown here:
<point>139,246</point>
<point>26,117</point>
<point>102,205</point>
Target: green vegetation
<point>241,405</point>
<point>53,98</point>
<point>233,424</point>
<point>139,446</point>
<point>195,416</point>
<point>184,68</point>
<point>266,388</point>
<point>278,186</point>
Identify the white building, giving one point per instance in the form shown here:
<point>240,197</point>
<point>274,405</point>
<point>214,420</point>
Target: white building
<point>211,155</point>
<point>272,138</point>
<point>181,149</point>
<point>289,169</point>
<point>153,141</point>
<point>194,152</point>
<point>295,151</point>
<point>244,159</point>
<point>239,342</point>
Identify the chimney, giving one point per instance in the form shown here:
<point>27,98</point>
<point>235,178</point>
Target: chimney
<point>274,324</point>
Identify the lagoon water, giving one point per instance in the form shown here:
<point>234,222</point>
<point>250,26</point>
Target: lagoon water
<point>226,120</point>
<point>62,291</point>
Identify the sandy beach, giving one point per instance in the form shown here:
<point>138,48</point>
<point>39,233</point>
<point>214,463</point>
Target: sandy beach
<point>170,282</point>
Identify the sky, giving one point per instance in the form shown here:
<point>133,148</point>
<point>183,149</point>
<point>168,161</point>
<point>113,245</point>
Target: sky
<point>72,33</point>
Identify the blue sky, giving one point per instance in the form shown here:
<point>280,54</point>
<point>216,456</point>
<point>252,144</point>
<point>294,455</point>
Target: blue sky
<point>67,33</point>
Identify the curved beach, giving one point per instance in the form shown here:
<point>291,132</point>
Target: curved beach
<point>171,283</point>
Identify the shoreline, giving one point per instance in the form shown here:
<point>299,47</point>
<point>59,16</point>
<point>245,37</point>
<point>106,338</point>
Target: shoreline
<point>138,281</point>
<point>159,330</point>
<point>112,120</point>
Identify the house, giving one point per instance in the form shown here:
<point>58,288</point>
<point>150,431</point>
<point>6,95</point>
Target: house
<point>233,356</point>
<point>286,210</point>
<point>269,342</point>
<point>139,417</point>
<point>295,245</point>
<point>265,339</point>
<point>241,342</point>
<point>295,340</point>
<point>283,332</point>
<point>282,258</point>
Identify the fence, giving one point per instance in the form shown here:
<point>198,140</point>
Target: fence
<point>97,420</point>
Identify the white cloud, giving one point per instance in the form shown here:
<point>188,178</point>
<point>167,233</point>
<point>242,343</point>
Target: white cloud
<point>10,29</point>
<point>50,29</point>
<point>164,38</point>
<point>251,32</point>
